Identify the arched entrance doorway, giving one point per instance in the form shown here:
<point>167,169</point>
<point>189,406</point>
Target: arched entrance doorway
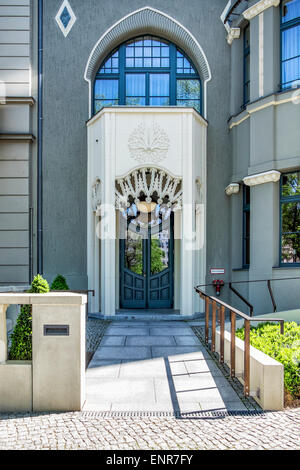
<point>147,199</point>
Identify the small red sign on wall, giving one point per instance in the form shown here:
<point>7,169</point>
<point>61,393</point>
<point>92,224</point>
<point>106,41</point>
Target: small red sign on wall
<point>217,271</point>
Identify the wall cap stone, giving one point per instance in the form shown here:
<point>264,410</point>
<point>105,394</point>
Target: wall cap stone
<point>232,188</point>
<point>54,298</point>
<point>267,177</point>
<point>259,7</point>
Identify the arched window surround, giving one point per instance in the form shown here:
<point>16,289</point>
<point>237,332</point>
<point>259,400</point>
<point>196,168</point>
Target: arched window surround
<point>148,20</point>
<point>178,77</point>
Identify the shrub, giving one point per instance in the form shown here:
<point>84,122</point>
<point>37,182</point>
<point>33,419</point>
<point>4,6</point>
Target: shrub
<point>284,348</point>
<point>21,338</point>
<point>59,283</point>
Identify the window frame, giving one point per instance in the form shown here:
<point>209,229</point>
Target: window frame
<point>246,237</point>
<point>246,54</point>
<point>285,200</point>
<point>284,26</point>
<point>171,70</point>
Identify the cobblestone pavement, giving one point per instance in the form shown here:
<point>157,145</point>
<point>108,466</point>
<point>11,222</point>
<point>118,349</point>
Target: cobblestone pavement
<point>91,431</point>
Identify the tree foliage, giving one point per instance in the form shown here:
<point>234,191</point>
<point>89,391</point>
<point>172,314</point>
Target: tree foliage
<point>59,283</point>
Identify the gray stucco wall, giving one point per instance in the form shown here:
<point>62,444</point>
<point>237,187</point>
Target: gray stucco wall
<point>66,111</point>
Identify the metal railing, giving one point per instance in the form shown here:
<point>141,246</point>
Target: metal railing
<point>218,308</point>
<point>243,299</point>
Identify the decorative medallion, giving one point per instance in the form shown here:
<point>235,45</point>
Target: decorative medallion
<point>149,144</point>
<point>65,18</point>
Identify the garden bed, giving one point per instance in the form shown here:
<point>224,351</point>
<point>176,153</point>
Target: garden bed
<point>285,349</point>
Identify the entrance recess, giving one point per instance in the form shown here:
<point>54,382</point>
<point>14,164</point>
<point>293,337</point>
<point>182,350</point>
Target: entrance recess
<point>147,258</point>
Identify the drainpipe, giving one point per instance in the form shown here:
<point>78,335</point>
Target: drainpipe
<point>40,148</point>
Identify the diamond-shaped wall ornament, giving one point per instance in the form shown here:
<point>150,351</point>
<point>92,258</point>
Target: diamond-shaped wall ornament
<point>65,18</point>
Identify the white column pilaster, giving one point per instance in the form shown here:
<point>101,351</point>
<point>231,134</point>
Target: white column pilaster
<point>188,221</point>
<point>108,222</point>
<point>3,333</point>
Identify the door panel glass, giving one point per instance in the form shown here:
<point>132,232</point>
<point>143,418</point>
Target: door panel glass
<point>159,251</point>
<point>134,253</point>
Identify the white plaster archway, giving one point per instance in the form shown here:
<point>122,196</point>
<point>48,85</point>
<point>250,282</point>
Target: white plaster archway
<point>151,21</point>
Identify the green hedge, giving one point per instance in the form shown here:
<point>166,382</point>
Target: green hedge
<point>59,283</point>
<point>284,348</point>
<point>21,338</point>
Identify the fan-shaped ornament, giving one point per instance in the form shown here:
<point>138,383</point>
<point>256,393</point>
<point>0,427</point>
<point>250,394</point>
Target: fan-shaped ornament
<point>149,144</point>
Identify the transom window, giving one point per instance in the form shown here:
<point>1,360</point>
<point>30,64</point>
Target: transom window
<point>290,217</point>
<point>147,71</point>
<point>290,44</point>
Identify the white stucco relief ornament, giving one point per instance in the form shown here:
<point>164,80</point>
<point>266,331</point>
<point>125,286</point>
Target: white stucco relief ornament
<point>147,182</point>
<point>149,144</point>
<point>96,194</point>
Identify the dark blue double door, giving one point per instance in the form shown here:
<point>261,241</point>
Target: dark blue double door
<point>146,268</point>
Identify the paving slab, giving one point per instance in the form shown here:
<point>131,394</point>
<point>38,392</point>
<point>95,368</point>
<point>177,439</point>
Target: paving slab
<point>108,340</point>
<point>150,368</point>
<point>123,390</point>
<point>125,352</point>
<point>186,340</point>
<point>195,367</point>
<point>150,341</point>
<point>171,331</point>
<point>178,353</point>
<point>128,331</point>
<point>99,368</point>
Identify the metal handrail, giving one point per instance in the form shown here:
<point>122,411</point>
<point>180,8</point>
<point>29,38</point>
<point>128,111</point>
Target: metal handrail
<point>220,306</point>
<point>238,294</point>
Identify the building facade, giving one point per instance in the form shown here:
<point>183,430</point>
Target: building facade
<point>143,146</point>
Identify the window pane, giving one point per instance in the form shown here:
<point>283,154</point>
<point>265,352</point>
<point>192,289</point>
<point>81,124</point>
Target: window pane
<point>290,10</point>
<point>291,55</point>
<point>291,43</point>
<point>160,251</point>
<point>183,64</point>
<point>290,248</point>
<point>106,89</point>
<point>291,184</point>
<point>99,104</point>
<point>291,72</point>
<point>134,253</point>
<point>159,84</point>
<point>147,53</point>
<point>136,84</point>
<point>190,103</point>
<point>161,101</point>
<point>188,89</point>
<point>135,101</point>
<point>290,214</point>
<point>111,65</point>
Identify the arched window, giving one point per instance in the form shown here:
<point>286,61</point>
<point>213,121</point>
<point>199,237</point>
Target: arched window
<point>147,71</point>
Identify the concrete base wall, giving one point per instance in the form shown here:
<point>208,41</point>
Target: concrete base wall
<point>58,361</point>
<point>15,386</point>
<point>266,374</point>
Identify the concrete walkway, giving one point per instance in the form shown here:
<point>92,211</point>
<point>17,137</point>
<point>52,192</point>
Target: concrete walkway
<point>156,366</point>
